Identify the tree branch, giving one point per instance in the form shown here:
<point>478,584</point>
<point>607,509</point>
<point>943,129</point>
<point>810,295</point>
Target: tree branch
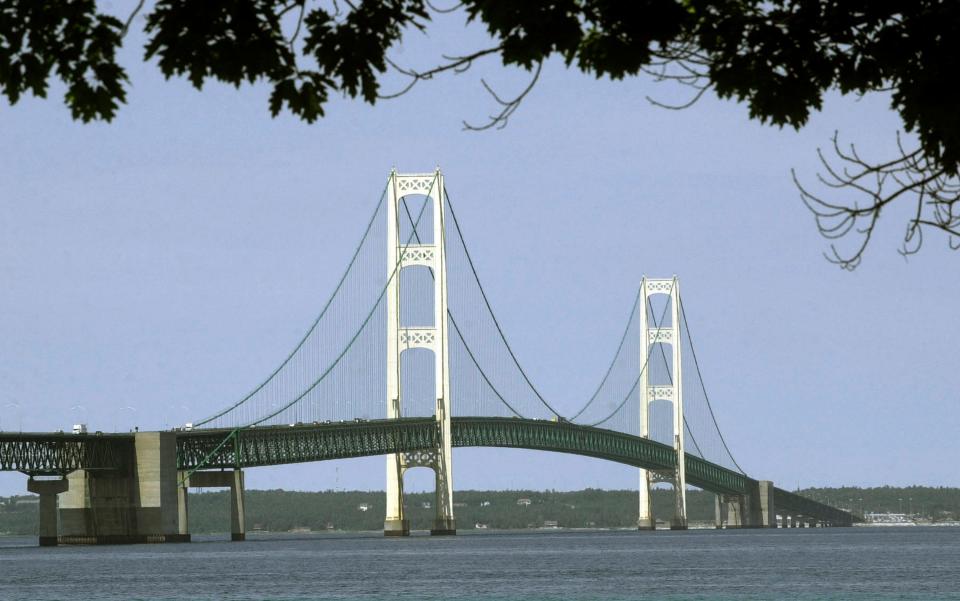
<point>129,21</point>
<point>457,64</point>
<point>508,106</point>
<point>911,173</point>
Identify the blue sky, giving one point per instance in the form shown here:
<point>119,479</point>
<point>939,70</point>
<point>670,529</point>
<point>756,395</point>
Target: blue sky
<point>154,268</point>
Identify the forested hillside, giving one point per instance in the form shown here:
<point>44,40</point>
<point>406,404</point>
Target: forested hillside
<point>281,511</point>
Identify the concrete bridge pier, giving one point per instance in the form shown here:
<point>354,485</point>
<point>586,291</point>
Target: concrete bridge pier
<point>238,524</point>
<point>736,510</point>
<point>48,491</point>
<point>136,502</point>
<point>224,479</point>
<point>755,509</point>
<point>765,514</point>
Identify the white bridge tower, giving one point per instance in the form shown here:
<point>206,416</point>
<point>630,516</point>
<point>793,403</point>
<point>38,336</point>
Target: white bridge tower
<point>400,255</point>
<point>666,334</point>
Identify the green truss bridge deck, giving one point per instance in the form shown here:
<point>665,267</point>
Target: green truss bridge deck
<point>60,453</point>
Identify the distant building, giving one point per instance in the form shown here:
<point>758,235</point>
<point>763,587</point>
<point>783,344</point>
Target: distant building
<point>364,507</point>
<point>523,501</point>
<point>484,503</point>
<point>551,524</point>
<point>426,505</point>
<point>480,526</point>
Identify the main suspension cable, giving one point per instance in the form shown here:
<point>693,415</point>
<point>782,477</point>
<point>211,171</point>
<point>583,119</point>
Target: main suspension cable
<point>696,365</point>
<point>316,321</point>
<point>496,323</point>
<point>456,328</point>
<point>623,338</point>
<point>383,291</point>
<point>646,362</point>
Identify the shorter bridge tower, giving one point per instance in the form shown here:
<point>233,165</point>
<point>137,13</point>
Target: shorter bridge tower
<point>403,253</point>
<point>671,392</point>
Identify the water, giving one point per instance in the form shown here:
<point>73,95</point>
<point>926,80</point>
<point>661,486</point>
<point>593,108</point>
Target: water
<point>918,563</point>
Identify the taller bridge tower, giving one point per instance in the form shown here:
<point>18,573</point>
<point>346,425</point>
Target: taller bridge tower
<point>402,253</point>
<point>665,334</point>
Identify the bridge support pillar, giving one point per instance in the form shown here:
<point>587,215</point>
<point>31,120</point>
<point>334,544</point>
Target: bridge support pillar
<point>755,509</point>
<point>395,524</point>
<point>135,503</point>
<point>736,511</point>
<point>765,510</point>
<point>645,521</point>
<point>48,491</point>
<point>183,511</point>
<point>238,525</point>
<point>718,512</point>
<point>224,479</point>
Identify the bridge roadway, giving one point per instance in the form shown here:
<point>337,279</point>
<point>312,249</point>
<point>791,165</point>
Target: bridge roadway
<point>61,453</point>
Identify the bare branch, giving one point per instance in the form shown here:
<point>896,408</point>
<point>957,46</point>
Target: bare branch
<point>296,32</point>
<point>679,62</point>
<point>509,106</point>
<point>679,107</point>
<point>457,64</point>
<point>911,173</point>
<point>129,21</point>
<point>453,8</point>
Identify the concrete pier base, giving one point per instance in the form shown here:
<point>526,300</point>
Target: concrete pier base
<point>736,510</point>
<point>233,480</point>
<point>238,523</point>
<point>396,528</point>
<point>136,503</point>
<point>755,509</point>
<point>767,514</point>
<point>48,491</point>
<point>444,527</point>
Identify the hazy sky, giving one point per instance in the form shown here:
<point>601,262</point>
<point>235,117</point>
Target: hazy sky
<point>153,269</point>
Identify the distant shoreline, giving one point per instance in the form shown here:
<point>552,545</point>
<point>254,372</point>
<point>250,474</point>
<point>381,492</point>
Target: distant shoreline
<point>291,512</point>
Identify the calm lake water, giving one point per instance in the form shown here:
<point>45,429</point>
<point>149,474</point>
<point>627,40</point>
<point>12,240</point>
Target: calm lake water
<point>919,563</point>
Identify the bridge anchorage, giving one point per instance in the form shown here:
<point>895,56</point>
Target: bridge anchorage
<point>436,354</point>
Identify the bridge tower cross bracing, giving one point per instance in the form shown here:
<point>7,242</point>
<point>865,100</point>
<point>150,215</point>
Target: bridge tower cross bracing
<point>672,392</point>
<point>403,253</point>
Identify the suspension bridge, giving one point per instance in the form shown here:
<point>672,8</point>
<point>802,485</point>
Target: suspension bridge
<point>407,359</point>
